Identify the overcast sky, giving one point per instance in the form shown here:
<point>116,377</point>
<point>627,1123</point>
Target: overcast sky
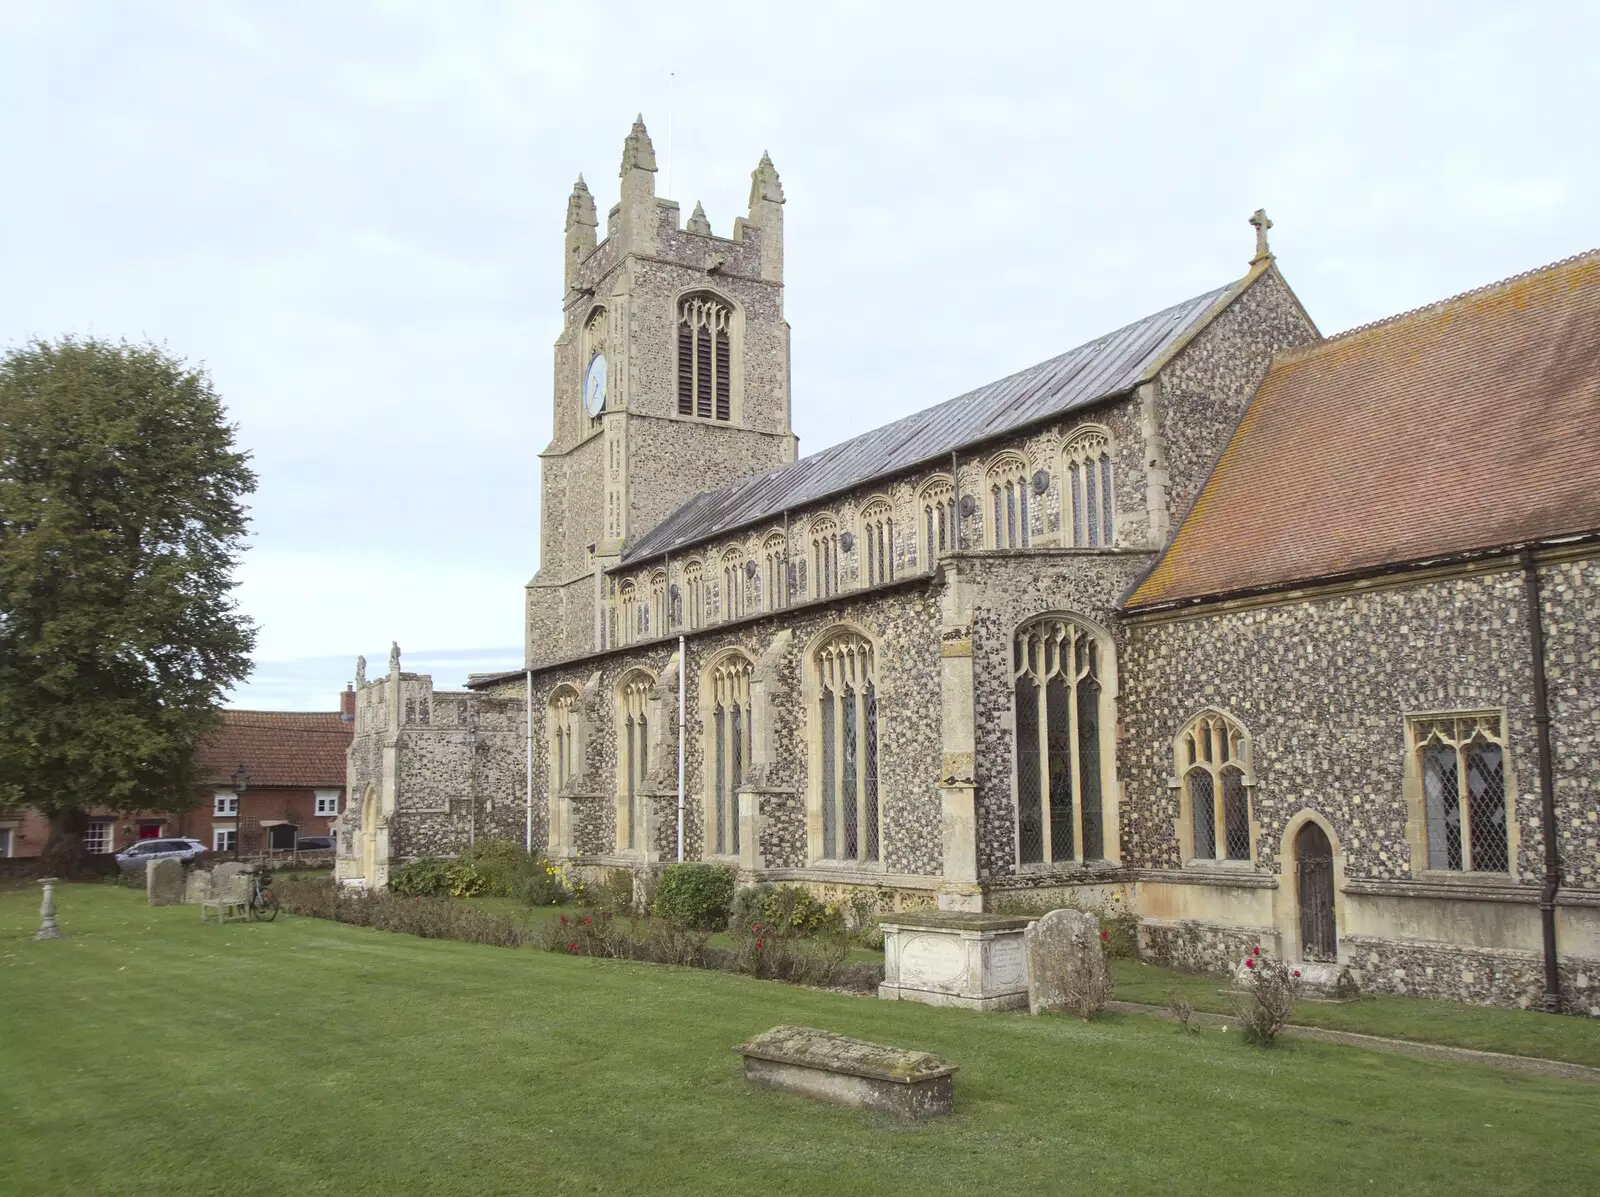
<point>351,213</point>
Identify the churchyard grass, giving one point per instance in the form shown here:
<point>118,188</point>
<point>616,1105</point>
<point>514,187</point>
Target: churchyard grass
<point>1482,1028</point>
<point>148,1054</point>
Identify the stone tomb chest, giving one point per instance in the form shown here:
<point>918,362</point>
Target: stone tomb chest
<point>849,1072</point>
<point>956,958</point>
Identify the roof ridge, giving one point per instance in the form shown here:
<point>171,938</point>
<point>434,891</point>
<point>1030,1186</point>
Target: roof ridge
<point>1371,325</point>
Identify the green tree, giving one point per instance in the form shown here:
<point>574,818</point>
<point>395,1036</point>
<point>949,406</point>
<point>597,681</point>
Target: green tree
<point>121,521</point>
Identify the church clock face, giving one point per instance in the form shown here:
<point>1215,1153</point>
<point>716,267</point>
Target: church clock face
<point>594,385</point>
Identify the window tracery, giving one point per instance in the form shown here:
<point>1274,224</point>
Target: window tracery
<point>733,584</point>
<point>825,568</point>
<point>1087,482</point>
<point>1462,760</point>
<point>1008,503</point>
<point>633,756</point>
<point>938,505</point>
<point>727,687</point>
<point>775,572</point>
<point>877,537</point>
<point>1213,768</point>
<point>846,711</point>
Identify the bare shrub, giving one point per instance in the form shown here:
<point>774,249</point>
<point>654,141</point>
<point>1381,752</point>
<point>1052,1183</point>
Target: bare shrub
<point>1265,998</point>
<point>1182,1009</point>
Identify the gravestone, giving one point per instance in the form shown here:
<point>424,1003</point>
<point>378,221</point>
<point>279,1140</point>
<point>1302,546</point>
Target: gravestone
<point>163,882</point>
<point>228,880</point>
<point>849,1072</point>
<point>1065,957</point>
<point>197,886</point>
<point>955,958</point>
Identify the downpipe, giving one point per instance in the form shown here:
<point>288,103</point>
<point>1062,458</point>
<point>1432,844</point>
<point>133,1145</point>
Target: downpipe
<point>682,732</point>
<point>1547,788</point>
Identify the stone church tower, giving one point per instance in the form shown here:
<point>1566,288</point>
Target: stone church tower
<point>671,377</point>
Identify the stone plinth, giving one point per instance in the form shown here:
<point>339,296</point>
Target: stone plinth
<point>849,1072</point>
<point>955,958</point>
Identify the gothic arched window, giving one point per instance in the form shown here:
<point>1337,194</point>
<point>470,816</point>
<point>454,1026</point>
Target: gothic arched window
<point>705,358</point>
<point>1064,718</point>
<point>630,610</point>
<point>1462,761</point>
<point>1008,503</point>
<point>845,822</point>
<point>633,757</point>
<point>733,584</point>
<point>1086,482</point>
<point>727,697</point>
<point>877,535</point>
<point>1213,770</point>
<point>656,613</point>
<point>694,594</point>
<point>562,730</point>
<point>825,557</point>
<point>775,572</point>
<point>938,505</point>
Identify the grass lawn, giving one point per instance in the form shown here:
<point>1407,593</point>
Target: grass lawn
<point>147,1054</point>
<point>1485,1028</point>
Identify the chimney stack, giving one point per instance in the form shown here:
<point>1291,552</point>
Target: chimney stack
<point>347,704</point>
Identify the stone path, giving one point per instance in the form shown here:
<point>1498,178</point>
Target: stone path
<point>1531,1065</point>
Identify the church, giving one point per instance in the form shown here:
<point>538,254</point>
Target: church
<point>1261,635</point>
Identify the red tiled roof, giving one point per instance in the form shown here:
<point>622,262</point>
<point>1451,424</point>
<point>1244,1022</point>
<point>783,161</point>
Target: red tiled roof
<point>1472,424</point>
<point>277,748</point>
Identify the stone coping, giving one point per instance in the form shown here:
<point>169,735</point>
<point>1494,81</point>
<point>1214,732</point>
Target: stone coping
<point>832,1052</point>
<point>956,920</point>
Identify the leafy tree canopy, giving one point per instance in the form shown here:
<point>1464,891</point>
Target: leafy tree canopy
<point>121,520</point>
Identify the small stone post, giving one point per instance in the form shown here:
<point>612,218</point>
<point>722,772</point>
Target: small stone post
<point>47,911</point>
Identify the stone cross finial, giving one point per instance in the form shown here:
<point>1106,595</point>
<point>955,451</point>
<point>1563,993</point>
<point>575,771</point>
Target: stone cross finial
<point>361,671</point>
<point>1261,224</point>
<point>394,656</point>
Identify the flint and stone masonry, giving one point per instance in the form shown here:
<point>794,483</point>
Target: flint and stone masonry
<point>930,573</point>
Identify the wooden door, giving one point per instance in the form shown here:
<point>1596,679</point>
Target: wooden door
<point>1319,937</point>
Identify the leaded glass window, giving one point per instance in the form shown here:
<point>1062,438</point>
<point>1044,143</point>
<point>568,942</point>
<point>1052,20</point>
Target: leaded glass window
<point>1090,515</point>
<point>877,533</point>
<point>733,584</point>
<point>1060,705</point>
<point>825,557</point>
<point>728,690</point>
<point>938,502</point>
<point>564,707</point>
<point>1213,767</point>
<point>1008,492</point>
<point>775,557</point>
<point>847,714</point>
<point>1462,762</point>
<point>633,757</point>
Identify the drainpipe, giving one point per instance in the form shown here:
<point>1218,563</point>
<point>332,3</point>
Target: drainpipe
<point>527,682</point>
<point>682,732</point>
<point>1547,788</point>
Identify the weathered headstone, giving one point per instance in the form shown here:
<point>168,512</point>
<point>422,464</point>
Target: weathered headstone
<point>197,886</point>
<point>849,1072</point>
<point>163,882</point>
<point>228,880</point>
<point>1065,962</point>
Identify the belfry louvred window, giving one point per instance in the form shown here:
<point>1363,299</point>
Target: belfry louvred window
<point>705,358</point>
<point>1060,699</point>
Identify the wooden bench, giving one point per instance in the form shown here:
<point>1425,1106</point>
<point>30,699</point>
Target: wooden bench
<point>226,908</point>
<point>849,1072</point>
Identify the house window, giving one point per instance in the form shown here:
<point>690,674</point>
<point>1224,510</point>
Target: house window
<point>938,503</point>
<point>224,804</point>
<point>877,535</point>
<point>1063,720</point>
<point>224,839</point>
<point>846,713</point>
<point>705,358</point>
<point>327,803</point>
<point>1086,469</point>
<point>1462,762</point>
<point>825,557</point>
<point>1213,769</point>
<point>1008,499</point>
<point>633,757</point>
<point>97,837</point>
<point>728,689</point>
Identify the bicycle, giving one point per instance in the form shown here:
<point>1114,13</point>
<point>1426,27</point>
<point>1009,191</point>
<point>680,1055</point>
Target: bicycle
<point>263,903</point>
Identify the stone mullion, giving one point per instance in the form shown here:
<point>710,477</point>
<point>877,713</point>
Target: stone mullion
<point>1464,805</point>
<point>1219,823</point>
<point>861,765</point>
<point>1070,676</point>
<point>1042,768</point>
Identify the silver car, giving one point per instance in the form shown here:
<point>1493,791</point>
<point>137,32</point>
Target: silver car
<point>134,857</point>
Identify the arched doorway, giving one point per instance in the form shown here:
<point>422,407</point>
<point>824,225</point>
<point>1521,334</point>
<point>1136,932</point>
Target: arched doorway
<point>1319,936</point>
<point>369,836</point>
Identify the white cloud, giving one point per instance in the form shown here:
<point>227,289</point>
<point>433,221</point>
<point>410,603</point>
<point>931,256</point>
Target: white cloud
<point>352,212</point>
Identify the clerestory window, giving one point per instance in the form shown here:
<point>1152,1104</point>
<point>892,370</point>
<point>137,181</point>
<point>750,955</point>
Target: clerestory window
<point>877,536</point>
<point>1086,475</point>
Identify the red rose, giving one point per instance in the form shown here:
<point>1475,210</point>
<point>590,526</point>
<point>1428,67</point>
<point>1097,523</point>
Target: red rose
<point>758,943</point>
<point>1249,963</point>
<point>586,922</point>
<point>1297,972</point>
<point>1257,949</point>
<point>1104,935</point>
<point>563,918</point>
<point>572,947</point>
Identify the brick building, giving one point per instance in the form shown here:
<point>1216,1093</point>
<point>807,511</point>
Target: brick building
<point>1211,617</point>
<point>268,778</point>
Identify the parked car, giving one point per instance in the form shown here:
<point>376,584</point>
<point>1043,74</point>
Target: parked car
<point>314,843</point>
<point>134,857</point>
